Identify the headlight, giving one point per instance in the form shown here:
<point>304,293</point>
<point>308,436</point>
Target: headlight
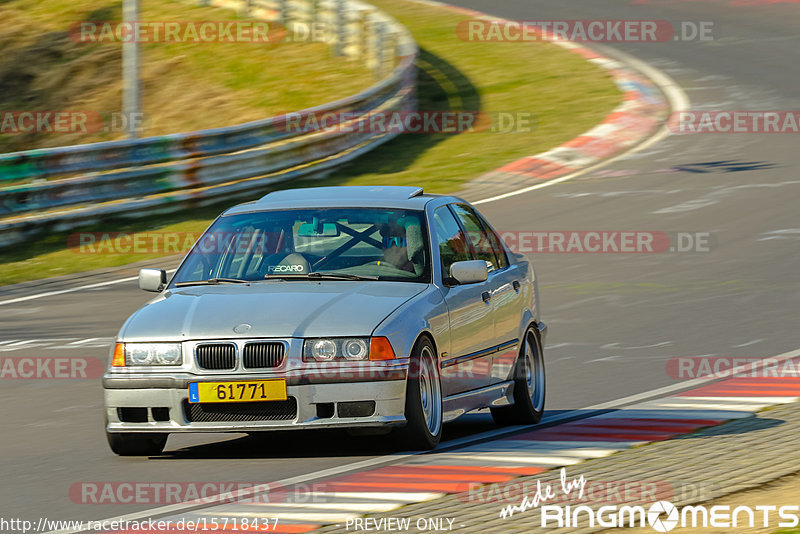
<point>153,354</point>
<point>325,350</point>
<point>355,349</point>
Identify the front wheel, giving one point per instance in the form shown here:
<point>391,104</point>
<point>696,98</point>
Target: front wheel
<point>423,430</point>
<point>136,444</point>
<point>529,385</point>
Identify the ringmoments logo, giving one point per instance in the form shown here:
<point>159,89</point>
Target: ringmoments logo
<point>664,516</point>
<point>661,516</point>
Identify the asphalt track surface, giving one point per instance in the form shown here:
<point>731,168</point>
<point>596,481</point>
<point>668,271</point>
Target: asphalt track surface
<point>615,319</point>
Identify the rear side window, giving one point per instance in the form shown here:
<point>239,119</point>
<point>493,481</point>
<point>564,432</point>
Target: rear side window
<point>449,238</point>
<point>497,244</point>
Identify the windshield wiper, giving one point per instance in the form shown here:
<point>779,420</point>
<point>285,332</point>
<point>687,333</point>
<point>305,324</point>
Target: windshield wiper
<point>340,276</point>
<point>212,282</point>
<point>320,275</point>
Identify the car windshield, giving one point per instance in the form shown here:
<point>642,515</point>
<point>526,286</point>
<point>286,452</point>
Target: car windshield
<point>337,243</point>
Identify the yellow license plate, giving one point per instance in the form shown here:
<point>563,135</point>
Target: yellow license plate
<point>255,391</point>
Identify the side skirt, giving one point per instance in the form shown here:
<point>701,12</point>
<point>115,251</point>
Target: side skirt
<point>499,394</point>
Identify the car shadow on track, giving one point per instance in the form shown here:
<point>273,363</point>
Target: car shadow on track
<point>316,443</point>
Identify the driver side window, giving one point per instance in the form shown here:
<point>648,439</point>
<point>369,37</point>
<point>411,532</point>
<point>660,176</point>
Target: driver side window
<point>450,239</point>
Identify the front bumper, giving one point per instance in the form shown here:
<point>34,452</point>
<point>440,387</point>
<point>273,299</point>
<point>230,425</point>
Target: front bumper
<point>162,403</point>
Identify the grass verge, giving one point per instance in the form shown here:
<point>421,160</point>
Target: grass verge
<point>185,85</point>
<point>567,95</point>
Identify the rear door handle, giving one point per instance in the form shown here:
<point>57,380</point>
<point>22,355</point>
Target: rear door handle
<point>515,285</point>
<point>486,296</point>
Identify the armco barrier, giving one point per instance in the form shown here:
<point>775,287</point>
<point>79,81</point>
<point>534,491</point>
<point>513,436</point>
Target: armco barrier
<point>61,188</point>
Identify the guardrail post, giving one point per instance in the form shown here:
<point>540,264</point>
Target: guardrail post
<point>131,102</point>
<point>247,8</point>
<point>283,12</point>
<point>380,41</point>
<point>340,27</point>
<point>363,34</point>
<point>313,21</point>
<point>392,48</point>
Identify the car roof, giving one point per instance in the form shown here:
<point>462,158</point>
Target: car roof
<point>379,196</point>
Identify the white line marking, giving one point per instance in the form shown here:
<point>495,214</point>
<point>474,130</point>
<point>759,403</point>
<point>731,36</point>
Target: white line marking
<point>82,341</point>
<point>759,340</point>
<point>758,400</point>
<point>523,446</point>
<point>31,346</point>
<point>544,461</point>
<point>330,506</point>
<point>685,403</point>
<point>70,290</point>
<point>615,404</point>
<point>565,447</point>
<point>671,414</point>
<point>744,408</point>
<point>615,346</point>
<point>73,289</point>
<point>691,384</point>
<point>400,497</point>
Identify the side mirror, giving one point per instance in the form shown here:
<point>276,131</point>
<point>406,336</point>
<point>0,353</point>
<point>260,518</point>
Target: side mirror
<point>152,279</point>
<point>469,272</point>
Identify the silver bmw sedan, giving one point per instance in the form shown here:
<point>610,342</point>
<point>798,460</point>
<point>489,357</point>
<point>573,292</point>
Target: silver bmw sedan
<point>377,309</point>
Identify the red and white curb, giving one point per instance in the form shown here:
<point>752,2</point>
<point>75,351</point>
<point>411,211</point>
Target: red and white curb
<point>425,477</point>
<point>648,97</point>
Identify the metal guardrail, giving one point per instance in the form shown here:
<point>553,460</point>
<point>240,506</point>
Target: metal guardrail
<point>65,187</point>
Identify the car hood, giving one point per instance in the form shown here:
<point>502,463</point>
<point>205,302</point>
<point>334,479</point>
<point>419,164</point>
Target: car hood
<point>271,309</point>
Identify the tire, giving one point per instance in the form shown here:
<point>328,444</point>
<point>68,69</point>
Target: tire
<point>529,385</point>
<point>423,430</point>
<point>137,444</point>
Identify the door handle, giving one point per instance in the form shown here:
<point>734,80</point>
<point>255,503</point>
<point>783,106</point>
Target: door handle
<point>486,296</point>
<point>515,285</point>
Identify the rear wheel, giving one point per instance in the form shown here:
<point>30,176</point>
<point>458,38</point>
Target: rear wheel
<point>529,385</point>
<point>136,444</point>
<point>423,400</point>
